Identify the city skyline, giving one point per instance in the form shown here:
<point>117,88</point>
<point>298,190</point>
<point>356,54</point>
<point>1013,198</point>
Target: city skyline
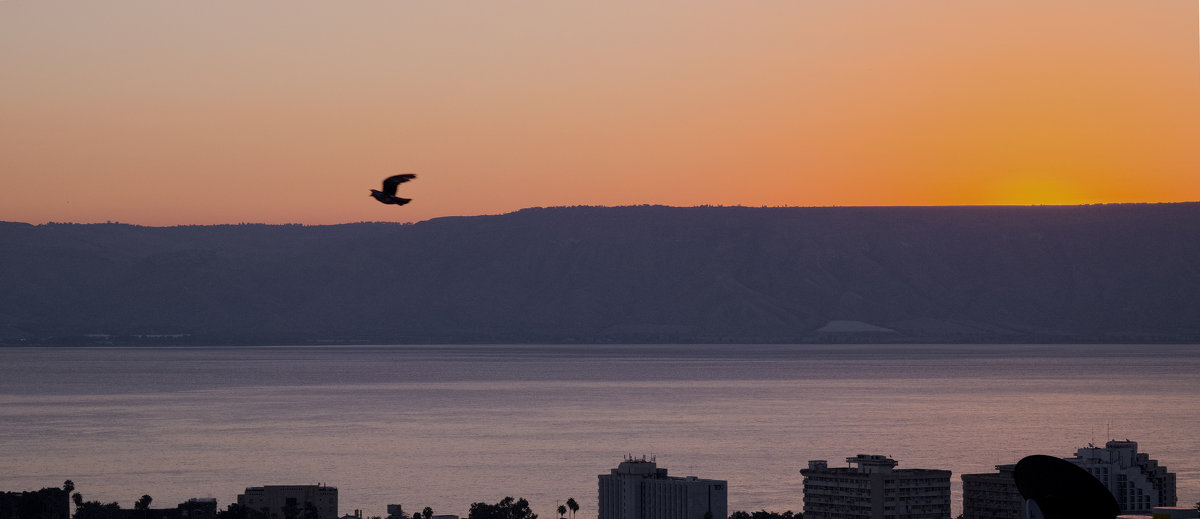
<point>639,489</point>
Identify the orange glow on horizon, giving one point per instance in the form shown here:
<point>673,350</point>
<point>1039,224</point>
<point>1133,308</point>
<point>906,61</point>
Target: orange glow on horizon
<point>228,112</point>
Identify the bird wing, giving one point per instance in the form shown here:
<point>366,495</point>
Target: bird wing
<point>390,183</point>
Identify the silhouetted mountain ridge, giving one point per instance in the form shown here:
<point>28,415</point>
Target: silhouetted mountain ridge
<point>1127,273</point>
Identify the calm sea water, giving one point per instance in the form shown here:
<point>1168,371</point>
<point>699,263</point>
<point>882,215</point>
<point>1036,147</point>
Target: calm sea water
<point>445,426</point>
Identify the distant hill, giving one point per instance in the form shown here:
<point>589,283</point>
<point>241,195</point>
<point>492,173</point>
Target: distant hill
<point>1108,273</point>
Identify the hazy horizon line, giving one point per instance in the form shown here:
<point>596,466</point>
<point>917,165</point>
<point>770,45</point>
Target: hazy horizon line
<point>600,206</point>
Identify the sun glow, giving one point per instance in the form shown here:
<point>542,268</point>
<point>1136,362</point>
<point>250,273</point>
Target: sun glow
<point>500,107</point>
<point>1042,189</point>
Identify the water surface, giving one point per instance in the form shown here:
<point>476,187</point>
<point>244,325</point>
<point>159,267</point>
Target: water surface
<point>445,426</point>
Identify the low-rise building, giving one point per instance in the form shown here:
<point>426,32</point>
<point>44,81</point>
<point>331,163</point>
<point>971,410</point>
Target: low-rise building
<point>198,508</point>
<point>292,501</point>
<point>47,503</point>
<point>1175,512</point>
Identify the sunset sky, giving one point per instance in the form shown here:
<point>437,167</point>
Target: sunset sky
<point>206,112</point>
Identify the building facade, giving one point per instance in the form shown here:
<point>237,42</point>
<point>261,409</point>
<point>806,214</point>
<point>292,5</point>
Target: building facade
<point>47,503</point>
<point>292,501</point>
<point>872,488</point>
<point>992,495</point>
<point>198,508</point>
<point>1138,482</point>
<point>638,489</point>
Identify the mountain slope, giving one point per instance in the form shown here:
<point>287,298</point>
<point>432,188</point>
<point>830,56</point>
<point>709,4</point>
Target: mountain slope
<point>630,274</point>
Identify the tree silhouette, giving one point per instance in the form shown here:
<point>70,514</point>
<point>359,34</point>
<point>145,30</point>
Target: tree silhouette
<point>573,506</point>
<point>291,510</point>
<point>310,511</point>
<point>96,510</point>
<point>562,511</point>
<point>143,503</point>
<point>68,486</point>
<point>507,508</point>
<point>427,513</point>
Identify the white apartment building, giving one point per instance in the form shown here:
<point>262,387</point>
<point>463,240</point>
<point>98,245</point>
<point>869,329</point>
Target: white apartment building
<point>1138,482</point>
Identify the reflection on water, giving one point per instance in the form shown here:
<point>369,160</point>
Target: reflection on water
<point>446,426</point>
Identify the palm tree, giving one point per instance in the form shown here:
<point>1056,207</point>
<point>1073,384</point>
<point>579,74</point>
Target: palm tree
<point>562,510</point>
<point>143,505</point>
<point>573,506</point>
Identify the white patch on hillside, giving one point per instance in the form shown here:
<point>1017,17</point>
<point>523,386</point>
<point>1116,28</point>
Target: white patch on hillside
<point>852,327</point>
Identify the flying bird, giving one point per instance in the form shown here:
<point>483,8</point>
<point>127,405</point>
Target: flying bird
<point>388,195</point>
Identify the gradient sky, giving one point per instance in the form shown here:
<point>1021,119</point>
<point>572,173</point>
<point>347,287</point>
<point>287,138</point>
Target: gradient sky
<point>220,111</point>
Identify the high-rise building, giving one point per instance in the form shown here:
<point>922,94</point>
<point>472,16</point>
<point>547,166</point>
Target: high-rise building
<point>1138,482</point>
<point>992,495</point>
<point>638,489</point>
<point>874,489</point>
<point>292,501</point>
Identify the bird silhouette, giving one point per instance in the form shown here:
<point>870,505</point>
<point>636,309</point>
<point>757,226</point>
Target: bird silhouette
<point>388,195</point>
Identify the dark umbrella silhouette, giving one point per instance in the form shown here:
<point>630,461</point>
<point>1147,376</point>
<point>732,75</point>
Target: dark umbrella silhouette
<point>388,195</point>
<point>1063,490</point>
